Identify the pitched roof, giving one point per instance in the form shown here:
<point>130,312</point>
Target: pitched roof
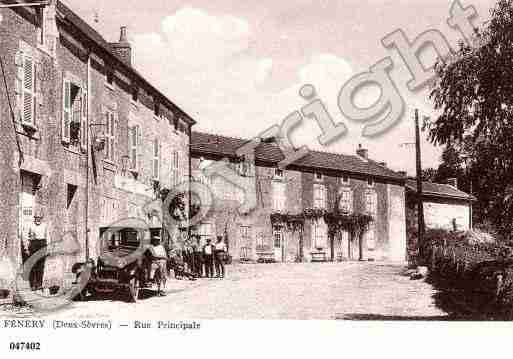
<point>269,152</point>
<point>77,22</point>
<point>438,190</point>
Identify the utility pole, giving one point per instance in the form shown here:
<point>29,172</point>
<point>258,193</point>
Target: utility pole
<point>420,205</point>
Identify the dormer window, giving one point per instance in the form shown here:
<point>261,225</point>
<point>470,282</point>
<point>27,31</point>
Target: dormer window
<point>156,109</point>
<point>135,93</point>
<point>110,76</point>
<point>318,176</point>
<point>278,174</point>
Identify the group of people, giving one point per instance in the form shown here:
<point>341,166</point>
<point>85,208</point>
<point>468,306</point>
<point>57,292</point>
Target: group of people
<point>196,261</point>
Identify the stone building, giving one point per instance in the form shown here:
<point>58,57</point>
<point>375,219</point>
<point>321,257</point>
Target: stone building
<point>445,206</point>
<point>86,139</point>
<point>318,180</point>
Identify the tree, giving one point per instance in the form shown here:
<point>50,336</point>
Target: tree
<point>474,91</point>
<point>429,174</point>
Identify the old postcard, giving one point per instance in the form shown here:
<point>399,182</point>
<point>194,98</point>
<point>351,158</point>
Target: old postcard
<point>170,165</point>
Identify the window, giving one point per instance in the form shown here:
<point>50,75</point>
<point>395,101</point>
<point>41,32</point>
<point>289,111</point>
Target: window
<point>110,76</point>
<point>245,235</point>
<point>318,176</point>
<point>175,175</point>
<point>370,182</point>
<point>156,159</point>
<point>279,196</point>
<point>319,196</point>
<point>344,179</point>
<point>109,210</point>
<point>71,190</point>
<point>278,174</point>
<point>29,91</point>
<point>371,202</point>
<point>346,201</point>
<point>133,152</point>
<point>110,138</point>
<point>244,167</point>
<point>135,93</point>
<point>319,235</point>
<point>370,237</point>
<point>277,236</point>
<point>74,115</point>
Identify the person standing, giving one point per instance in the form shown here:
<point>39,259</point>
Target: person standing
<point>198,259</point>
<point>189,257</point>
<point>219,255</point>
<point>208,257</point>
<point>37,241</point>
<point>158,262</point>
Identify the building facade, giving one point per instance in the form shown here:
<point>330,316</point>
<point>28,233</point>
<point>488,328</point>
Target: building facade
<point>87,140</point>
<point>445,206</point>
<point>320,180</point>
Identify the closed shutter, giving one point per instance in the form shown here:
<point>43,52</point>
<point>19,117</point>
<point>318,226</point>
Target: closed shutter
<point>132,147</point>
<point>28,90</point>
<point>156,159</point>
<point>66,110</point>
<point>107,138</point>
<point>112,136</point>
<point>139,135</point>
<point>83,125</point>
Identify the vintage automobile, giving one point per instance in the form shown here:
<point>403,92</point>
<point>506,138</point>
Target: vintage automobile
<point>126,264</point>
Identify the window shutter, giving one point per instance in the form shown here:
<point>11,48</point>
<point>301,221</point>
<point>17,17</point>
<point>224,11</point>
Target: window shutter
<point>28,90</point>
<point>139,147</point>
<point>156,159</point>
<point>83,125</point>
<point>66,110</point>
<point>107,133</point>
<point>112,136</point>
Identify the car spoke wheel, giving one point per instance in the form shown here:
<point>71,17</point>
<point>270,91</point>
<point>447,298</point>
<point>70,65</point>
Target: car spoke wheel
<point>134,288</point>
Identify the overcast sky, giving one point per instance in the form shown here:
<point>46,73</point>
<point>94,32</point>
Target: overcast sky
<point>236,66</point>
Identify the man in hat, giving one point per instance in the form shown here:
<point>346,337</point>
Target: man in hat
<point>159,254</point>
<point>219,256</point>
<point>198,257</point>
<point>208,258</point>
<point>37,240</point>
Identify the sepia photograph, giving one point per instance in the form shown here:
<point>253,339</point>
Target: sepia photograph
<point>224,166</point>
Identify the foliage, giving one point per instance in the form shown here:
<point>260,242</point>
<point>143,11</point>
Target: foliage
<point>292,222</point>
<point>178,206</point>
<point>354,223</point>
<point>429,174</point>
<point>479,274</point>
<point>473,92</point>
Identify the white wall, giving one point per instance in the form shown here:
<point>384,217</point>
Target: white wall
<point>440,215</point>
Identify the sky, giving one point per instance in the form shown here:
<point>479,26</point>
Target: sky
<point>236,66</point>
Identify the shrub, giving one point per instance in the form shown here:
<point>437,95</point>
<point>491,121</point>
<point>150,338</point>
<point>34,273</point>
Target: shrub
<point>474,267</point>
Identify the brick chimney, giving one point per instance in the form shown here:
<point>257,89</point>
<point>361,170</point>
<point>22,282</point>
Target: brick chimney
<point>452,182</point>
<point>123,49</point>
<point>362,152</point>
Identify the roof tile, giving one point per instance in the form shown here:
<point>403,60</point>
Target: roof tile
<point>204,143</point>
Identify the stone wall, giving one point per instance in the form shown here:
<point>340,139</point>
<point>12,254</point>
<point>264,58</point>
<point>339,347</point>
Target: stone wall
<point>59,168</point>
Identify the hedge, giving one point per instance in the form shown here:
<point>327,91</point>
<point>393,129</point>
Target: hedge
<point>477,276</point>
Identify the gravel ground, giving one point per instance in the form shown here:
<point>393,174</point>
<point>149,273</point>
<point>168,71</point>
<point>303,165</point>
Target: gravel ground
<point>348,290</point>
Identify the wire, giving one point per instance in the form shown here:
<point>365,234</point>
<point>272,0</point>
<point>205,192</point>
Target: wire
<point>13,116</point>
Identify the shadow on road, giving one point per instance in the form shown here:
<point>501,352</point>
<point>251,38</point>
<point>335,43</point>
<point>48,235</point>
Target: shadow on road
<point>381,317</point>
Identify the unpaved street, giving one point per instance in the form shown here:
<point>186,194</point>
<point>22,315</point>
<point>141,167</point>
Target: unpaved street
<point>280,291</point>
